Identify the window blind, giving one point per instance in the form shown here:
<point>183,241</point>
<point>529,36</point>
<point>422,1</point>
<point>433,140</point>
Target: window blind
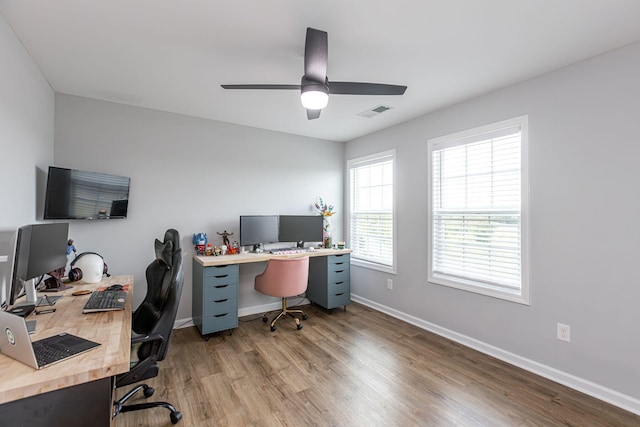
<point>371,224</point>
<point>476,210</point>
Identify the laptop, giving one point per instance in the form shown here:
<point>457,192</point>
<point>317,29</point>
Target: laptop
<point>15,343</point>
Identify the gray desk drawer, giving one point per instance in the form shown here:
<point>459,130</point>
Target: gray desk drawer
<point>221,270</point>
<point>219,280</point>
<point>329,281</point>
<point>338,287</point>
<point>217,308</point>
<point>220,292</point>
<point>338,276</point>
<point>220,322</point>
<point>336,300</point>
<point>338,260</point>
<point>215,297</point>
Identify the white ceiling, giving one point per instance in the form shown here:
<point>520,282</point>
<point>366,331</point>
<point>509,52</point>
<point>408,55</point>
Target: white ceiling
<point>172,55</point>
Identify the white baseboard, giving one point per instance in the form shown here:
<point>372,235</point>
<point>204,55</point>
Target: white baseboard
<point>598,391</point>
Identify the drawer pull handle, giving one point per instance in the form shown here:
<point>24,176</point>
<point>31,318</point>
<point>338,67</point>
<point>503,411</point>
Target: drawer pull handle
<point>339,263</point>
<point>220,286</point>
<point>220,315</point>
<point>338,256</point>
<point>221,276</point>
<point>341,293</point>
<point>221,300</point>
<point>221,266</point>
<point>339,283</point>
<point>339,271</point>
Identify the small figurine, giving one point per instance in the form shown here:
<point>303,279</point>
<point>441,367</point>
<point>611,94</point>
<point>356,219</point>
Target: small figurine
<point>71,248</point>
<point>200,243</point>
<point>225,238</point>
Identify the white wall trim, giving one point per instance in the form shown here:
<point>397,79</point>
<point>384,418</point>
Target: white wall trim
<point>598,391</point>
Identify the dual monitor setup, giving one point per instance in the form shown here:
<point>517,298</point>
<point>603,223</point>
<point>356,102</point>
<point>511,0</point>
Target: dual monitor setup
<point>257,230</point>
<point>40,249</point>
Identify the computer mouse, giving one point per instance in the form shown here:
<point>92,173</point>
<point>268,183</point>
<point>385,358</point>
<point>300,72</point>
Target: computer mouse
<point>115,288</point>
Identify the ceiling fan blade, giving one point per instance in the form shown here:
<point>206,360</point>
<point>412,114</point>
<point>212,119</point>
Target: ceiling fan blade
<point>316,54</point>
<point>267,86</point>
<point>353,88</point>
<point>313,114</point>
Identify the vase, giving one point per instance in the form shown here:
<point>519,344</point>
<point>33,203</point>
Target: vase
<point>326,232</point>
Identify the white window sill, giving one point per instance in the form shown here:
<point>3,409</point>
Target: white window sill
<point>372,265</point>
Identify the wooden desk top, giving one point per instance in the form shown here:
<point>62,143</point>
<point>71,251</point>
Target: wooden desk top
<point>208,261</point>
<point>112,329</point>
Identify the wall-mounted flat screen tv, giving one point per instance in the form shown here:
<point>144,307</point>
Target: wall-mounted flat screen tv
<point>76,194</point>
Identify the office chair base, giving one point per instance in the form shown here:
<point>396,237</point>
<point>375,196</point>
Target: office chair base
<point>286,312</point>
<point>120,407</point>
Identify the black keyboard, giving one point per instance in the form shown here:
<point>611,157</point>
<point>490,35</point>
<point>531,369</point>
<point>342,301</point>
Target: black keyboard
<point>106,301</point>
<point>46,354</point>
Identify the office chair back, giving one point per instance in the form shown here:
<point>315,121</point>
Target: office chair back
<point>286,277</point>
<point>153,323</point>
<point>165,276</point>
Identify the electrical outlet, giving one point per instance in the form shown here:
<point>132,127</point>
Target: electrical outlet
<point>564,332</point>
<point>389,284</point>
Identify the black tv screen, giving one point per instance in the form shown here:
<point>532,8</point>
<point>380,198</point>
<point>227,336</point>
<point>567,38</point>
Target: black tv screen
<point>76,194</point>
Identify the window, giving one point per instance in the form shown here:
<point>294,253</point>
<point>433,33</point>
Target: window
<point>371,211</point>
<point>478,210</point>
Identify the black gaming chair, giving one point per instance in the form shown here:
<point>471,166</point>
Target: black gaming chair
<point>153,322</point>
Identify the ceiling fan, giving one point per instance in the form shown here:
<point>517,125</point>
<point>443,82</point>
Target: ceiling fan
<point>315,87</point>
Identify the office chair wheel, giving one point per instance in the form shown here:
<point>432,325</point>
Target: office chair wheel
<point>299,327</point>
<point>273,328</point>
<point>148,392</point>
<point>305,317</point>
<point>175,417</point>
<point>265,319</point>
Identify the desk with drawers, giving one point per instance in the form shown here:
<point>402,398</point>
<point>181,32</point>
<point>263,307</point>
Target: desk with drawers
<point>215,284</point>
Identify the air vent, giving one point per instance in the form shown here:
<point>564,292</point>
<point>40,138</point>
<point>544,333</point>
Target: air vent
<point>374,111</point>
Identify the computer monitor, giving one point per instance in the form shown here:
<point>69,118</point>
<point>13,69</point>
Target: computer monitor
<point>39,249</point>
<point>257,229</point>
<point>300,229</point>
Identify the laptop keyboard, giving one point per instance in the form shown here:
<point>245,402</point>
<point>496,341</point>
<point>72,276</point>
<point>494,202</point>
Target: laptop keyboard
<point>47,353</point>
<point>106,301</point>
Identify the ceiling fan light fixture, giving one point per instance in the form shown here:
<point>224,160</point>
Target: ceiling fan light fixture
<point>314,96</point>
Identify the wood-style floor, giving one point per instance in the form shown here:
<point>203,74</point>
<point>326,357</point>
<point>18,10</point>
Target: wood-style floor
<point>354,368</point>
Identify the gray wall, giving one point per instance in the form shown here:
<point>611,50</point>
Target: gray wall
<point>26,139</point>
<point>191,174</point>
<point>583,160</point>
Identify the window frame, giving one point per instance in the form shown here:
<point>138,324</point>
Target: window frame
<point>464,138</point>
<point>351,163</point>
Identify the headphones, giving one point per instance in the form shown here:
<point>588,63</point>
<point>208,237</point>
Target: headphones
<point>75,274</point>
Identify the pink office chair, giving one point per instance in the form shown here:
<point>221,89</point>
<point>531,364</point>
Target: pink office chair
<point>286,277</point>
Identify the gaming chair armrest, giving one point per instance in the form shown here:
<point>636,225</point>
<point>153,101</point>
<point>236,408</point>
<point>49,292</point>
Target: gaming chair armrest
<point>146,366</point>
<point>139,339</point>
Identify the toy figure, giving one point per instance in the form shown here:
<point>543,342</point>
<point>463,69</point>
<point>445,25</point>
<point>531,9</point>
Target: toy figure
<point>225,238</point>
<point>71,247</point>
<point>200,243</point>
